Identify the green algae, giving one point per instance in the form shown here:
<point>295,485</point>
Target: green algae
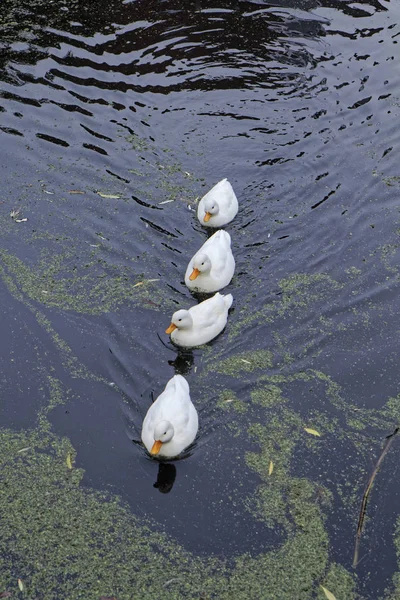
<point>340,582</point>
<point>290,573</point>
<point>246,362</point>
<point>229,399</point>
<point>64,540</point>
<point>294,505</point>
<point>55,282</point>
<point>267,396</point>
<point>301,287</point>
<point>297,293</point>
<point>390,181</point>
<point>393,593</point>
<point>286,503</point>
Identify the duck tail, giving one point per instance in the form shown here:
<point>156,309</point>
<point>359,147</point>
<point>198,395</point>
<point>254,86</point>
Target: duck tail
<point>181,382</point>
<point>228,299</point>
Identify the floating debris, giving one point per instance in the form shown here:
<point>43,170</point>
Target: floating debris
<point>327,593</point>
<point>166,201</point>
<point>363,509</point>
<point>21,220</point>
<point>69,461</point>
<point>113,196</point>
<point>144,282</point>
<point>312,431</point>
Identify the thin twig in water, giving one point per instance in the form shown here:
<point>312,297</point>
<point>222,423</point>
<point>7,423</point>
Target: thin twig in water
<point>363,509</point>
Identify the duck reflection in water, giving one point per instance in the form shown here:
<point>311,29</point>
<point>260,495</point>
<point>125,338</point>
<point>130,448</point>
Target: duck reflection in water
<point>165,478</point>
<point>183,362</point>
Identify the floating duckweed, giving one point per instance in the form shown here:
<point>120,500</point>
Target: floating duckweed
<point>244,362</point>
<point>300,282</point>
<point>228,400</point>
<point>394,594</point>
<point>267,396</point>
<point>53,283</point>
<point>66,541</point>
<point>353,271</point>
<point>301,289</point>
<point>340,582</point>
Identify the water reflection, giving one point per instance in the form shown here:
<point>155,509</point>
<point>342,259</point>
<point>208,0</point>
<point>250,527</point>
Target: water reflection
<point>165,478</point>
<point>183,362</point>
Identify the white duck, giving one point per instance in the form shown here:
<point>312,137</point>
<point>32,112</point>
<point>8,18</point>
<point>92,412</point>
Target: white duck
<point>171,423</point>
<point>219,206</point>
<point>201,323</point>
<point>212,267</point>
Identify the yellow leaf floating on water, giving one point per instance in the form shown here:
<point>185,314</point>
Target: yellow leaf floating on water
<point>69,461</point>
<point>144,282</point>
<point>312,431</point>
<point>271,468</point>
<point>328,594</point>
<point>21,585</point>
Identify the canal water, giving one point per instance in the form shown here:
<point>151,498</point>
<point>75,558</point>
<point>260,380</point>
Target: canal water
<point>115,118</point>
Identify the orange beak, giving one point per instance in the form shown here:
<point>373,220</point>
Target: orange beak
<point>171,328</point>
<point>194,275</point>
<point>207,217</point>
<point>156,447</point>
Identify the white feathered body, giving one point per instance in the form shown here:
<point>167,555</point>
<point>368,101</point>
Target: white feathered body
<point>221,198</point>
<point>208,320</point>
<point>173,405</point>
<point>218,250</point>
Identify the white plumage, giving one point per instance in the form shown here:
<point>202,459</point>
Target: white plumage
<point>171,423</point>
<point>201,323</point>
<point>219,206</point>
<point>213,265</point>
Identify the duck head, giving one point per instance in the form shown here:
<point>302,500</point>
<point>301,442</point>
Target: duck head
<point>211,208</point>
<point>201,264</point>
<point>181,319</point>
<point>163,432</point>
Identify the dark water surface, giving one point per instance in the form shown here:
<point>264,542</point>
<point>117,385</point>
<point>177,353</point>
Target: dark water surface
<point>114,118</point>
